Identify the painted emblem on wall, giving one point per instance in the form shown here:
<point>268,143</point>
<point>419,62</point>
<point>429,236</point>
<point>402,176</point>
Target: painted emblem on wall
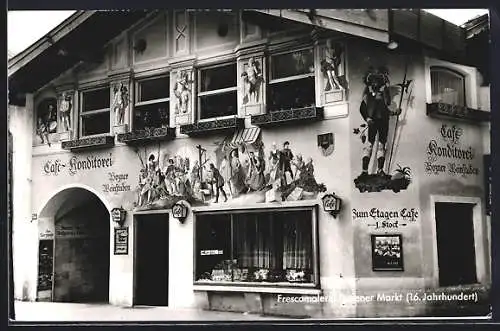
<point>376,111</point>
<point>65,108</point>
<point>327,143</point>
<point>46,119</point>
<point>229,172</point>
<point>252,79</point>
<point>120,102</point>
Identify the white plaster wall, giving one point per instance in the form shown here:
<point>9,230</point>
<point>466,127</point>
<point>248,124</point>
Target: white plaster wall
<point>25,231</point>
<point>181,263</point>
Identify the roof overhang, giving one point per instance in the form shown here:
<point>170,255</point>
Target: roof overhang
<point>414,27</point>
<point>81,37</point>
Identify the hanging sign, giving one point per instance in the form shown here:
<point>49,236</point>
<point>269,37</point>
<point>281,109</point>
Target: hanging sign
<point>121,241</point>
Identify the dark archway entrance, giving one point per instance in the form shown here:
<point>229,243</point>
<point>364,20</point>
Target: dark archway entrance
<point>74,258</point>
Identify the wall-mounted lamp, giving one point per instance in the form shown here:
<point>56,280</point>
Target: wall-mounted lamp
<point>392,45</point>
<point>180,211</point>
<point>118,215</point>
<point>332,204</point>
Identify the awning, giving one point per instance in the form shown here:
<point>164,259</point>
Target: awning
<point>243,136</point>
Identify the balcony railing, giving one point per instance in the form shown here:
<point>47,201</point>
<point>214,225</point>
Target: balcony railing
<point>215,125</point>
<point>138,137</point>
<point>88,143</point>
<point>457,112</point>
<point>274,118</point>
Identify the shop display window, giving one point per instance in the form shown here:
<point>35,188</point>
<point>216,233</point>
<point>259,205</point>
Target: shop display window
<point>217,91</point>
<point>152,108</point>
<point>265,247</point>
<point>95,112</point>
<point>291,84</point>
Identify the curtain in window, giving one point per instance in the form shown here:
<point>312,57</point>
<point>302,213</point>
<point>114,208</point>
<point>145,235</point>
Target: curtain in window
<point>255,237</point>
<point>297,242</point>
<point>447,87</point>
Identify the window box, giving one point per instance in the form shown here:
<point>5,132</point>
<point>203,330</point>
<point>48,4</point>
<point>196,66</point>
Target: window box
<point>257,248</point>
<point>88,143</point>
<point>215,125</point>
<point>312,113</point>
<point>138,137</point>
<point>448,111</point>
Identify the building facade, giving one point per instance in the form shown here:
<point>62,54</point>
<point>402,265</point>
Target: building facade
<point>327,163</point>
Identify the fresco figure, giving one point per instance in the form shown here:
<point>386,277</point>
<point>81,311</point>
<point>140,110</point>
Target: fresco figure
<point>65,111</point>
<point>225,170</point>
<point>252,78</point>
<point>375,111</point>
<point>120,103</point>
<point>170,177</point>
<point>218,181</point>
<point>42,130</point>
<point>274,163</point>
<point>330,65</point>
<point>286,157</point>
<point>237,175</point>
<point>46,122</point>
<point>182,93</point>
<point>255,176</point>
<point>299,166</point>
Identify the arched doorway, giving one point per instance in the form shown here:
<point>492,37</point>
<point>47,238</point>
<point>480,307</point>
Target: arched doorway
<point>74,249</point>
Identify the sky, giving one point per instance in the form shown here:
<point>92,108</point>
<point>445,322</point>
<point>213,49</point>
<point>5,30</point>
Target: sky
<point>25,27</point>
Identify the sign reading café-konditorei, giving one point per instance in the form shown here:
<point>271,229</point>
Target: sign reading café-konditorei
<point>448,154</point>
<point>77,164</point>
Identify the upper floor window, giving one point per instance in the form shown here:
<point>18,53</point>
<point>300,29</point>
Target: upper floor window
<point>152,103</point>
<point>291,83</point>
<point>95,112</point>
<point>447,86</point>
<point>217,95</point>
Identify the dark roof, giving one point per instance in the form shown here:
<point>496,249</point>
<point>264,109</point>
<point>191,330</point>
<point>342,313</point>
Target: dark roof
<point>476,25</point>
<point>80,37</point>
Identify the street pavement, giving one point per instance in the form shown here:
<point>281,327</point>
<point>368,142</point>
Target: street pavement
<point>79,312</point>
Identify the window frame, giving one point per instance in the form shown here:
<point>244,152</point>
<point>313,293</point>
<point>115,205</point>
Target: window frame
<point>268,285</point>
<point>138,103</point>
<point>82,114</point>
<point>200,94</point>
<point>469,73</point>
<point>289,78</point>
<point>456,73</point>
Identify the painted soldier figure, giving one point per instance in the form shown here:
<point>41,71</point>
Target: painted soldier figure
<point>65,111</point>
<point>219,183</point>
<point>375,111</point>
<point>286,157</point>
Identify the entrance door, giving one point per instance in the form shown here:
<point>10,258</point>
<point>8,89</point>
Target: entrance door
<point>151,260</point>
<point>455,243</point>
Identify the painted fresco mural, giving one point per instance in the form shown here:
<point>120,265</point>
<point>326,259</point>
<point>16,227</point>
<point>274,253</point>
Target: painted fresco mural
<point>121,101</point>
<point>225,172</point>
<point>332,66</point>
<point>252,79</point>
<point>65,108</point>
<point>377,108</point>
<point>46,120</point>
